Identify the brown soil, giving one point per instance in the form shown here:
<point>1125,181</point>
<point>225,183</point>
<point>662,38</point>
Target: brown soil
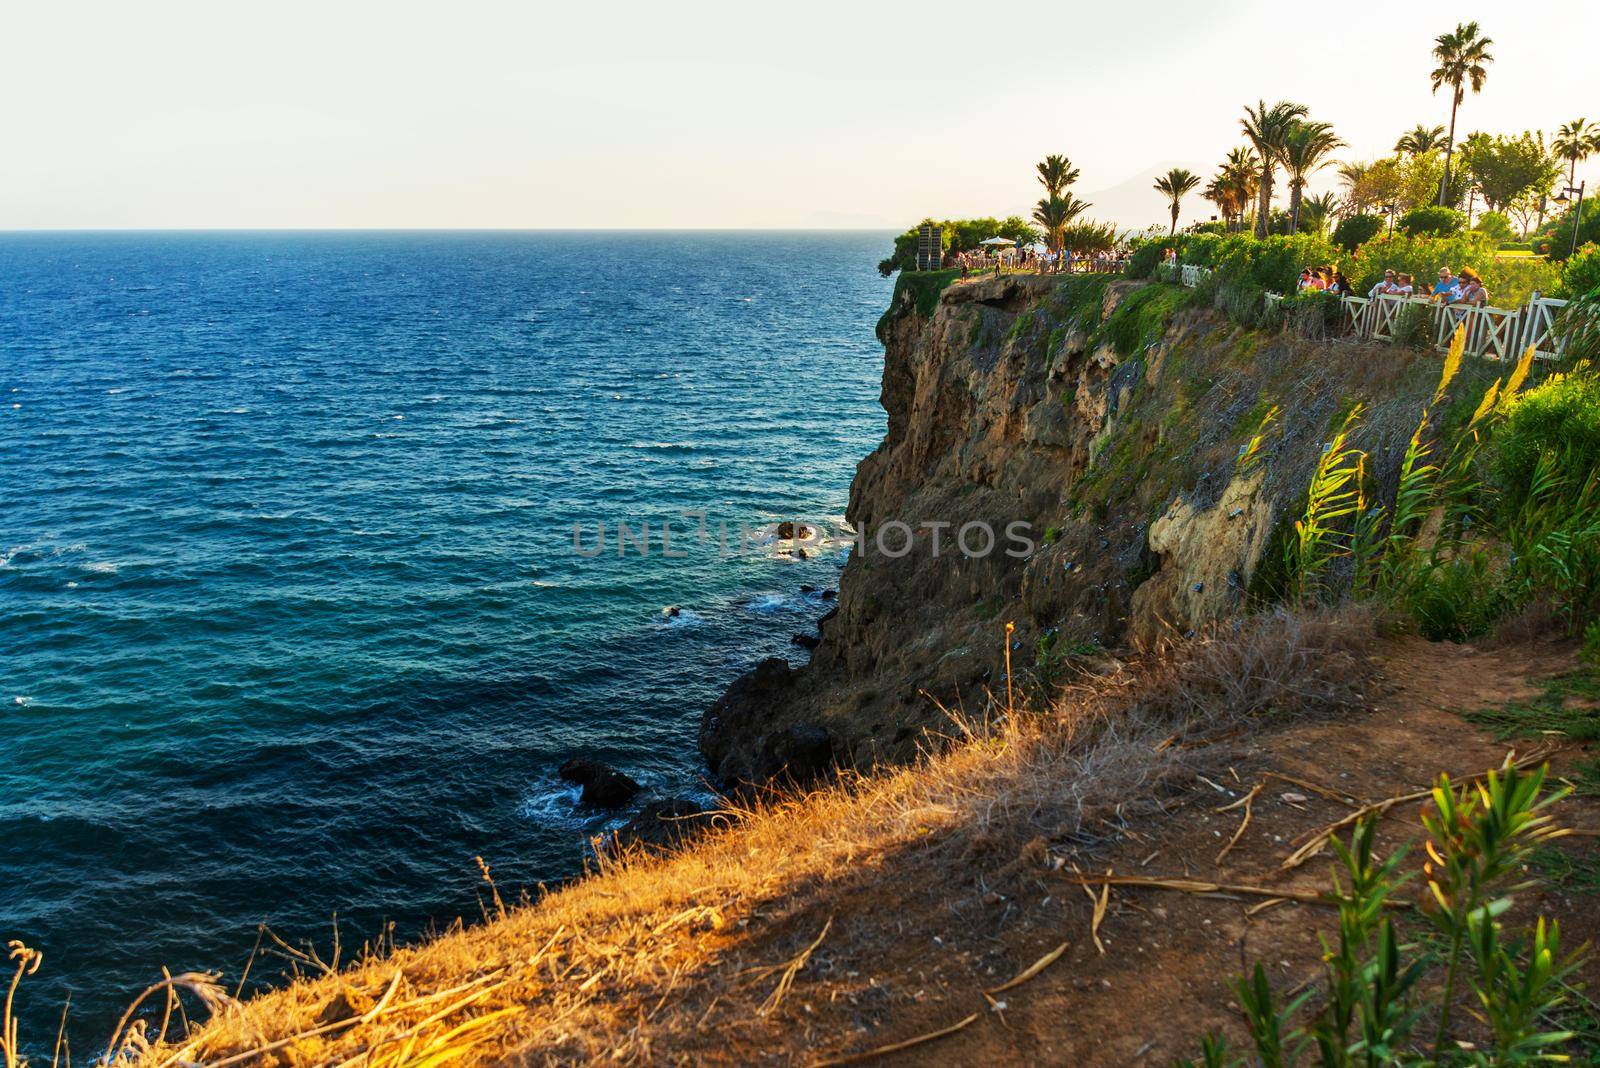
<point>1166,975</point>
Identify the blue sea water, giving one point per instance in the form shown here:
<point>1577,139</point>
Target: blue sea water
<point>291,623</point>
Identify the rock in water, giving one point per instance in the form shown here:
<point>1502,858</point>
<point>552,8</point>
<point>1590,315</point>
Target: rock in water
<point>806,641</point>
<point>793,531</point>
<point>603,785</point>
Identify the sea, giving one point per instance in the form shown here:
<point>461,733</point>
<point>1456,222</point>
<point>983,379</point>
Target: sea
<point>301,606</point>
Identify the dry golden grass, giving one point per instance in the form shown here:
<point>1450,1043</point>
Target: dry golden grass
<point>649,954</point>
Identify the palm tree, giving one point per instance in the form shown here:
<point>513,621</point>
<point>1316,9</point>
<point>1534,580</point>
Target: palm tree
<point>1315,211</point>
<point>1305,151</point>
<point>1055,214</point>
<point>1463,58</point>
<point>1175,184</point>
<point>1055,174</point>
<point>1220,193</point>
<point>1266,127</point>
<point>1420,141</point>
<point>1354,177</point>
<point>1576,141</point>
<point>1241,172</point>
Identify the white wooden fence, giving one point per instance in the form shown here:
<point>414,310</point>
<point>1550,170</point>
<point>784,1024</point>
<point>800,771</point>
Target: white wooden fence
<point>1493,333</point>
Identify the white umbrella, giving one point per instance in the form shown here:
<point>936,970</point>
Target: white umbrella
<point>997,241</point>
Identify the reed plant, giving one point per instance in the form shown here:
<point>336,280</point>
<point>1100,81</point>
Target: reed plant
<point>1379,992</point>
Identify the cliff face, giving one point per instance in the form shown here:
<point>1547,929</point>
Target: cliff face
<point>1115,425</point>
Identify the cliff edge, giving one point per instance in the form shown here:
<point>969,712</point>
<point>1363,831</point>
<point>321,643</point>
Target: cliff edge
<point>1109,425</point>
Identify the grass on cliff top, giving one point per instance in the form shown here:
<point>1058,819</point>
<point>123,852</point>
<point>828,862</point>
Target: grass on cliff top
<point>653,957</point>
<point>1141,318</point>
<point>925,287</point>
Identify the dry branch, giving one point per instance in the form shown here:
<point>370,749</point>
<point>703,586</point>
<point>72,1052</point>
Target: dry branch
<point>896,1047</point>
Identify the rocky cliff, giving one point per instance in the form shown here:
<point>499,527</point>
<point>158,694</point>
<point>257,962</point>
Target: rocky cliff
<point>1154,453</point>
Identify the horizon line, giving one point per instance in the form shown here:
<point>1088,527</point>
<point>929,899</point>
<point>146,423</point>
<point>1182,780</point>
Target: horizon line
<point>443,229</point>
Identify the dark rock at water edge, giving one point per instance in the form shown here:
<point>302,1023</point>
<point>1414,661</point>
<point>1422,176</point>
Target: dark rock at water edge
<point>806,641</point>
<point>667,822</point>
<point>603,785</point>
<point>793,531</point>
<point>740,743</point>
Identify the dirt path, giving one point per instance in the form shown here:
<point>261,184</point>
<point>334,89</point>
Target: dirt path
<point>1165,974</point>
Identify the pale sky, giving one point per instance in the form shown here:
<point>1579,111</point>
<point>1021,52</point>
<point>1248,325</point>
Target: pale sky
<point>534,115</point>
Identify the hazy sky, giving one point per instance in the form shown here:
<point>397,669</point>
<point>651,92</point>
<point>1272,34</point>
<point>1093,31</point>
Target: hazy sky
<point>484,114</point>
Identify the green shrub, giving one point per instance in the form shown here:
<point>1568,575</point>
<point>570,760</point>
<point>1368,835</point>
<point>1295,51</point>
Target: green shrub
<point>1146,254</point>
<point>1457,600</point>
<point>1497,226</point>
<point>1432,221</point>
<point>1142,317</point>
<point>1314,314</point>
<point>1356,231</point>
<point>1561,415</point>
<point>1581,274</point>
<point>1555,240</point>
<point>1413,327</point>
<point>1273,263</point>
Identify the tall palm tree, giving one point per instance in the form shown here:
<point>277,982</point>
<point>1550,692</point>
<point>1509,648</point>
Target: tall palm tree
<point>1176,184</point>
<point>1241,171</point>
<point>1576,141</point>
<point>1055,214</point>
<point>1266,127</point>
<point>1463,58</point>
<point>1419,141</point>
<point>1055,174</point>
<point>1305,151</point>
<point>1315,211</point>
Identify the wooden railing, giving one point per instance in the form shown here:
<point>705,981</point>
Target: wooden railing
<point>1493,333</point>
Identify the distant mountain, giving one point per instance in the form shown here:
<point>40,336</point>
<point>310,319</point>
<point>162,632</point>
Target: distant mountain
<point>1134,203</point>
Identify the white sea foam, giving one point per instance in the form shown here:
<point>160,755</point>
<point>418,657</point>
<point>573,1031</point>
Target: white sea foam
<point>685,619</point>
<point>21,700</point>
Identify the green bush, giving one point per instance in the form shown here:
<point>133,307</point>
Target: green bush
<point>1273,263</point>
<point>1314,314</point>
<point>1432,221</point>
<point>1146,254</point>
<point>1142,317</point>
<point>1356,231</point>
<point>1581,274</point>
<point>1560,415</point>
<point>1497,226</point>
<point>1457,600</point>
<point>1555,240</point>
<point>1510,281</point>
<point>1413,327</point>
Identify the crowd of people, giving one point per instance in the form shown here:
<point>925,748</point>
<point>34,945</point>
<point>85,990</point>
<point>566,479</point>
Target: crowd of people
<point>1465,288</point>
<point>1049,261</point>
